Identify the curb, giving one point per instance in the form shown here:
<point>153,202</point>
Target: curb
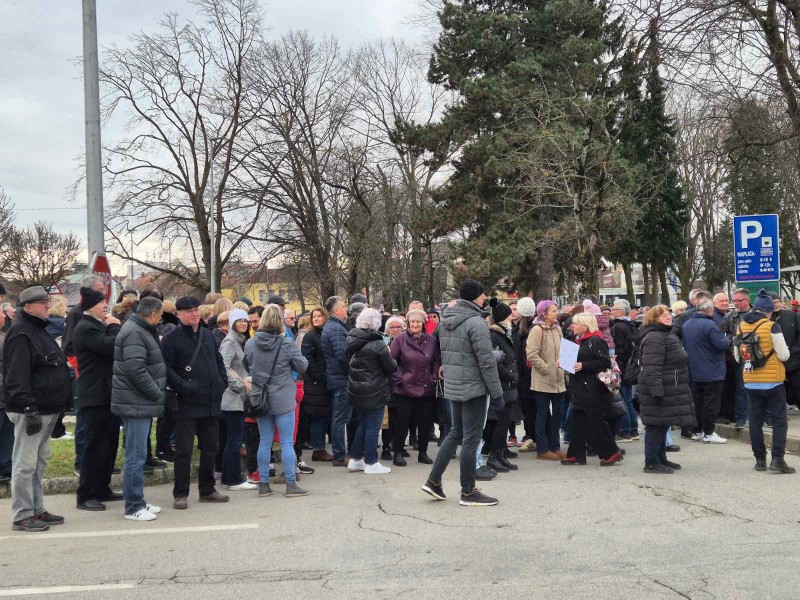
<point>69,485</point>
<point>730,432</point>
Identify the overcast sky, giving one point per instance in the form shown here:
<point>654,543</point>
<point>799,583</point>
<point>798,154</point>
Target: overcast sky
<point>41,90</point>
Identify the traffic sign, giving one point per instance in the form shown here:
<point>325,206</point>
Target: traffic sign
<point>101,268</point>
<point>756,248</point>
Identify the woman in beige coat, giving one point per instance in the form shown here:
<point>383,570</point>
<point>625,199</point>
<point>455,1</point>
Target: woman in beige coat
<point>547,379</point>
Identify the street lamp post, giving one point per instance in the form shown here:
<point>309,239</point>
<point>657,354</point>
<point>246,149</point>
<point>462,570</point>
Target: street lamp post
<point>212,224</point>
<point>91,99</point>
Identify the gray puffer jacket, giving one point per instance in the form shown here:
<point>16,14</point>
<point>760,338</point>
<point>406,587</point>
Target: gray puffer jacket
<point>140,375</point>
<point>232,351</point>
<point>260,352</point>
<point>470,368</point>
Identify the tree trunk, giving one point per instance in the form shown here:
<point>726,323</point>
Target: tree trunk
<point>665,298</point>
<point>542,273</point>
<point>654,283</point>
<point>630,292</point>
<point>646,280</point>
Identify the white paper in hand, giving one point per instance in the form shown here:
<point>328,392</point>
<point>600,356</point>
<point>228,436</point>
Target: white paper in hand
<point>568,356</point>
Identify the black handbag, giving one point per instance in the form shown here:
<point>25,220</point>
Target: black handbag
<point>617,408</point>
<point>171,396</point>
<point>257,406</point>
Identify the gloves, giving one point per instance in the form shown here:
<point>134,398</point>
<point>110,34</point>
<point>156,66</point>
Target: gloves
<point>498,404</point>
<point>33,423</point>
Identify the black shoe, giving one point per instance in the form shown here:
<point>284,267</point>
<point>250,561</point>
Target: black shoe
<point>413,442</point>
<point>485,474</point>
<point>50,518</point>
<point>386,455</point>
<point>405,453</point>
<point>722,420</point>
<point>686,434</point>
<point>424,459</point>
<point>91,505</point>
<point>673,448</point>
<point>622,451</point>
<point>778,465</point>
<point>509,454</point>
<point>485,450</point>
<point>508,465</point>
<point>657,468</point>
<point>113,497</point>
<point>671,465</point>
<point>495,464</point>
<point>434,489</point>
<point>30,525</point>
<point>398,460</point>
<point>761,464</point>
<point>303,468</point>
<point>166,456</point>
<point>148,470</point>
<point>476,498</point>
<point>156,464</point>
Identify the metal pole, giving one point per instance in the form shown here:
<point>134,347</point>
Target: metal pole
<point>91,99</point>
<point>212,226</point>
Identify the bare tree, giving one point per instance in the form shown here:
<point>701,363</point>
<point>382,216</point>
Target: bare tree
<point>38,255</point>
<point>185,92</point>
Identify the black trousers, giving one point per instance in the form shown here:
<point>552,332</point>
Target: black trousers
<point>707,398</point>
<point>793,387</point>
<point>592,428</point>
<point>727,407</point>
<point>528,406</point>
<point>207,431</point>
<point>164,429</point>
<point>655,444</point>
<point>252,438</point>
<point>418,411</point>
<point>387,435</point>
<point>101,430</point>
<point>498,440</point>
<point>223,439</point>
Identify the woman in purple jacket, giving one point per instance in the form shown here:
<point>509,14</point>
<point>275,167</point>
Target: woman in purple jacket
<point>414,384</point>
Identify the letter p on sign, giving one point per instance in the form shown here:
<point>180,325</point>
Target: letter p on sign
<point>751,230</point>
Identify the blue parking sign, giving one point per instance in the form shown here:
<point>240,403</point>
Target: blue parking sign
<point>756,248</point>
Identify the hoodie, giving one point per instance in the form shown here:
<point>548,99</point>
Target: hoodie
<point>260,352</point>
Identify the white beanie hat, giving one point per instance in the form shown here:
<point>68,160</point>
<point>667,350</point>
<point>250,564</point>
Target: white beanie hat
<point>526,306</point>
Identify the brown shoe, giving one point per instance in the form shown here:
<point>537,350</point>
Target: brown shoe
<point>548,456</point>
<point>560,454</point>
<point>180,504</point>
<point>215,497</point>
<point>321,456</point>
<point>339,463</point>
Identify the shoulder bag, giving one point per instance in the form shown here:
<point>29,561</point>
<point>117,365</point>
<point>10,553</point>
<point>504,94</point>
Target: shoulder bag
<point>257,406</point>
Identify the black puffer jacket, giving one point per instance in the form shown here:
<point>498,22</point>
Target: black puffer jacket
<point>664,394</point>
<point>140,375</point>
<point>523,368</point>
<point>588,392</point>
<point>316,399</point>
<point>507,367</point>
<point>371,366</point>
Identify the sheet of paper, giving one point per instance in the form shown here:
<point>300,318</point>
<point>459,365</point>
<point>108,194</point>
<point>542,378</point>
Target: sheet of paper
<point>568,355</point>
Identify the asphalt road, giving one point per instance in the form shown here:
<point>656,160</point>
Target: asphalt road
<point>717,529</point>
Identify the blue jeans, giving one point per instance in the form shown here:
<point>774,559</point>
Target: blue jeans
<point>6,443</point>
<point>266,429</point>
<point>741,395</point>
<point>365,444</point>
<point>469,419</point>
<point>342,413</point>
<point>136,430</point>
<point>444,428</point>
<point>771,401</point>
<point>630,422</point>
<point>318,428</point>
<point>566,420</point>
<point>231,458</point>
<point>547,424</point>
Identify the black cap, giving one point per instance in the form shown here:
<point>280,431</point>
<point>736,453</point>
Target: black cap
<point>90,297</point>
<point>246,300</point>
<point>276,300</point>
<point>358,298</point>
<point>470,290</point>
<point>433,311</point>
<point>187,303</point>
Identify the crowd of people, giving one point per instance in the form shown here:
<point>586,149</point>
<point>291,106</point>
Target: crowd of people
<point>248,380</point>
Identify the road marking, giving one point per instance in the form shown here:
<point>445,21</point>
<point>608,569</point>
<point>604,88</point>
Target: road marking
<point>65,589</point>
<point>93,534</point>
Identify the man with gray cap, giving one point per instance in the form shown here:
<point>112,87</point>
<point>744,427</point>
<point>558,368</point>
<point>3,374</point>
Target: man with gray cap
<point>470,378</point>
<point>37,387</point>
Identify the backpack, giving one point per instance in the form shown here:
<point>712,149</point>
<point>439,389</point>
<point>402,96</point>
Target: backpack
<point>747,350</point>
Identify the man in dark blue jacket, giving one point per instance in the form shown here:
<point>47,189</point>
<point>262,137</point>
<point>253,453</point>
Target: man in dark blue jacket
<point>334,348</point>
<point>199,385</point>
<point>706,346</point>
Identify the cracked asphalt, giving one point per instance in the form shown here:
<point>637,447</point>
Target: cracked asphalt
<point>716,529</point>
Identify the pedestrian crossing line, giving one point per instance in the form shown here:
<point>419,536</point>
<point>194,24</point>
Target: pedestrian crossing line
<point>107,533</point>
<point>65,589</point>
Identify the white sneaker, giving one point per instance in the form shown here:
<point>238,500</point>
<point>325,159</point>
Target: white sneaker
<point>240,486</point>
<point>153,510</point>
<point>698,437</point>
<point>67,437</point>
<point>376,469</point>
<point>356,465</point>
<point>714,438</point>
<point>142,515</point>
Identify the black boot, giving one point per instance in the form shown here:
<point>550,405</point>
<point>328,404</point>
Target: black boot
<point>509,454</point>
<point>424,458</point>
<point>505,462</point>
<point>495,464</point>
<point>398,460</point>
<point>778,465</point>
<point>386,454</point>
<point>761,464</point>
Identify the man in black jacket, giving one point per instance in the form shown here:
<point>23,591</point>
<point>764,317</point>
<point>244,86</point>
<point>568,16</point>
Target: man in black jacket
<point>790,326</point>
<point>626,339</point>
<point>199,385</point>
<point>93,343</point>
<point>729,326</point>
<point>36,385</point>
